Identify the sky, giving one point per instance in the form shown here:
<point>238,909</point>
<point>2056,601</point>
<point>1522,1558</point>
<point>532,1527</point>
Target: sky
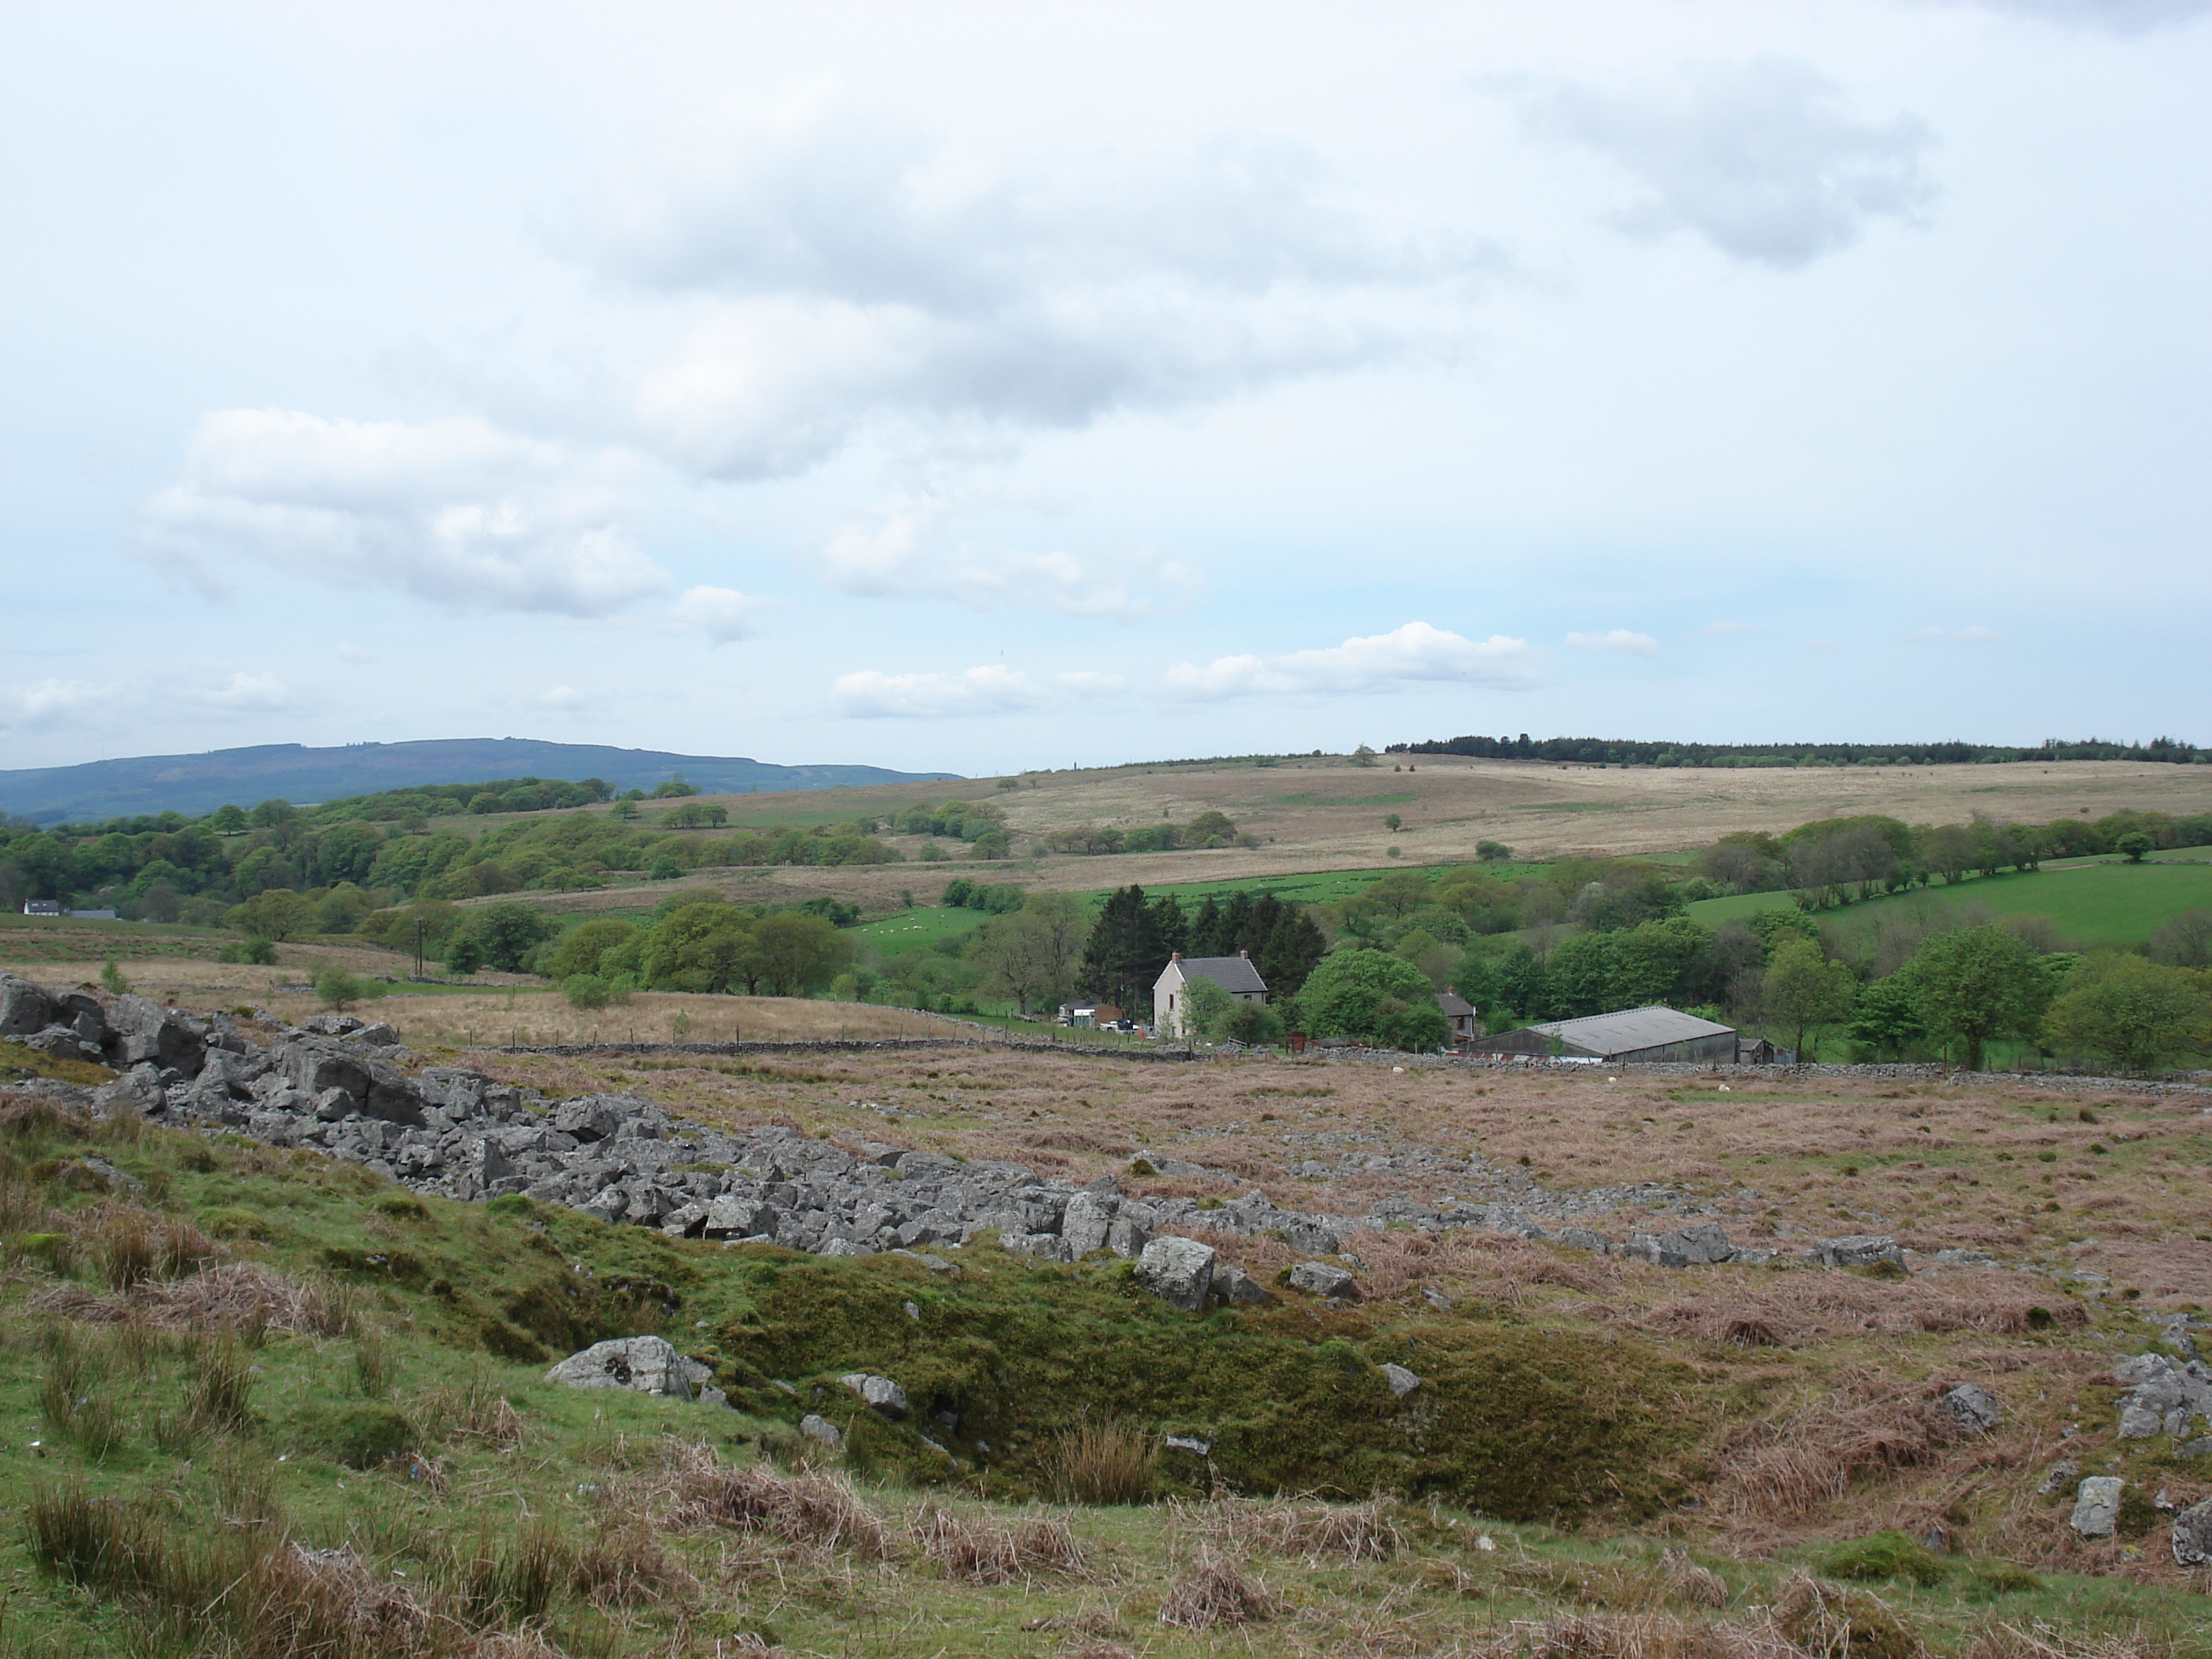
<point>991,386</point>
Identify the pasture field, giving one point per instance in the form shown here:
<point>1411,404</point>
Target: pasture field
<point>2087,901</point>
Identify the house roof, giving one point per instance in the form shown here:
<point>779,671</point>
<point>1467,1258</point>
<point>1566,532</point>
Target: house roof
<point>1455,1006</point>
<point>1631,1029</point>
<point>1235,974</point>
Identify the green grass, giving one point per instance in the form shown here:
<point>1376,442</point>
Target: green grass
<point>2087,901</point>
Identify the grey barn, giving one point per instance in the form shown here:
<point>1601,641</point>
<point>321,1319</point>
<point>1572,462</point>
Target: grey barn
<point>1651,1034</point>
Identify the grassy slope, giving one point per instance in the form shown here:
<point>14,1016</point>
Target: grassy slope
<point>1533,1408</point>
<point>2101,901</point>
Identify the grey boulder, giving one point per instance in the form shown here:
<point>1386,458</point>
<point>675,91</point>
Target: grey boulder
<point>643,1364</point>
<point>2192,1535</point>
<point>1178,1271</point>
<point>1971,1408</point>
<point>880,1391</point>
<point>822,1429</point>
<point>2096,1506</point>
<point>1324,1279</point>
<point>1402,1381</point>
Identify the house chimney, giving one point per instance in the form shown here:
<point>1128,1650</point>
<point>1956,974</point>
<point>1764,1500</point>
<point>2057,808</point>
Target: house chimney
<point>1247,955</point>
<point>1175,955</point>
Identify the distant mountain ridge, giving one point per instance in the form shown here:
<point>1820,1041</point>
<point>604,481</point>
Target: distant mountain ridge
<point>194,784</point>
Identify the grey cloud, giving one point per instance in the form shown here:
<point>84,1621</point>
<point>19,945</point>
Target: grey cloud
<point>1759,158</point>
<point>854,275</point>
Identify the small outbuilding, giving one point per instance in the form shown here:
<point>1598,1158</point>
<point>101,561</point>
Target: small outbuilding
<point>1235,974</point>
<point>1459,1016</point>
<point>1633,1034</point>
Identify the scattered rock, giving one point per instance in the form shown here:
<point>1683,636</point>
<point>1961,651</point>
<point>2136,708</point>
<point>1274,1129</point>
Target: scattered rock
<point>644,1364</point>
<point>1191,1443</point>
<point>1178,1271</point>
<point>880,1391</point>
<point>2057,1476</point>
<point>1856,1250</point>
<point>1402,1381</point>
<point>1971,1406</point>
<point>1234,1285</point>
<point>2192,1535</point>
<point>2096,1506</point>
<point>1437,1298</point>
<point>1324,1278</point>
<point>822,1429</point>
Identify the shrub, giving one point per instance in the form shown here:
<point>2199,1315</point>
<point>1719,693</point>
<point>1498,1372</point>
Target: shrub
<point>260,951</point>
<point>338,989</point>
<point>1103,1462</point>
<point>1884,1555</point>
<point>590,991</point>
<point>1214,1590</point>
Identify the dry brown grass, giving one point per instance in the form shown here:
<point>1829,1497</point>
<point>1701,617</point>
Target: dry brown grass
<point>495,1019</point>
<point>240,1296</point>
<point>1793,1469</point>
<point>1316,1532</point>
<point>1829,1622</point>
<point>973,1550</point>
<point>131,1244</point>
<point>1811,1305</point>
<point>818,1511</point>
<point>1214,1589</point>
<point>1638,1636</point>
<point>2041,1641</point>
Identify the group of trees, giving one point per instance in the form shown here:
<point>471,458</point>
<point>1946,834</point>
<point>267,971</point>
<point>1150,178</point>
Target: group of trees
<point>1601,751</point>
<point>1207,830</point>
<point>1134,938</point>
<point>1839,861</point>
<point>699,942</point>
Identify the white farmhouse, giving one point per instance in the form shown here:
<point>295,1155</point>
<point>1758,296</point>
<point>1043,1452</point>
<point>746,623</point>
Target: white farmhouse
<point>1235,974</point>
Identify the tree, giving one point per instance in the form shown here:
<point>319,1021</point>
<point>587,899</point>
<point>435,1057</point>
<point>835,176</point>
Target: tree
<point>2133,845</point>
<point>705,946</point>
<point>111,979</point>
<point>1125,952</point>
<point>665,868</point>
<point>1288,954</point>
<point>1979,984</point>
<point>277,913</point>
<point>2183,940</point>
<point>799,953</point>
<point>2130,1014</point>
<point>503,936</point>
<point>339,989</point>
<point>1492,852</point>
<point>1391,822</point>
<point>1034,954</point>
<point>1806,992</point>
<point>1887,1019</point>
<point>590,991</point>
<point>1370,996</point>
<point>1362,755</point>
<point>581,948</point>
<point>229,820</point>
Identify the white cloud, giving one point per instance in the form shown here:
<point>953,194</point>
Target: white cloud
<point>454,511</point>
<point>1378,662</point>
<point>560,696</point>
<point>852,275</point>
<point>2122,17</point>
<point>992,690</point>
<point>905,554</point>
<point>52,704</point>
<point>1955,636</point>
<point>1759,158</point>
<point>247,693</point>
<point>722,614</point>
<point>1616,642</point>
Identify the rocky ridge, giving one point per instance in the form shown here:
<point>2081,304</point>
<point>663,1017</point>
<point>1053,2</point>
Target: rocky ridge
<point>335,1085</point>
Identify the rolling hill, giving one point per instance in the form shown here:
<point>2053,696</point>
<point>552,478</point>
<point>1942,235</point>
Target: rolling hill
<point>193,784</point>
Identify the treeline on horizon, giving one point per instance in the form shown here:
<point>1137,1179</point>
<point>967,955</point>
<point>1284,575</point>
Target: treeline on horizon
<point>1620,751</point>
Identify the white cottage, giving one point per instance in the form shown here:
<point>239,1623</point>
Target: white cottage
<point>1235,974</point>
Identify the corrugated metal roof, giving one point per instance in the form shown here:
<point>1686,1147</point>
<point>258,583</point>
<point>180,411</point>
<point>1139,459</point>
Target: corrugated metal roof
<point>1235,974</point>
<point>1631,1029</point>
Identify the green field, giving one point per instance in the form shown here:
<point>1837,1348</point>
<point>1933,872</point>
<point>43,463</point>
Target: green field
<point>2089,901</point>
